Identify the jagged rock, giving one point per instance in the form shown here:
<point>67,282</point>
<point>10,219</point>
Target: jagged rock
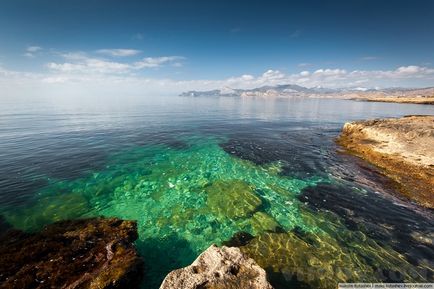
<point>90,253</point>
<point>219,268</point>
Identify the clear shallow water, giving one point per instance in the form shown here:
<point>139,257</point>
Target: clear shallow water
<point>194,171</point>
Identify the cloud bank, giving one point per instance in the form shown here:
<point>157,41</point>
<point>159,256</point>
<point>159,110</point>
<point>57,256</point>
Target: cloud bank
<point>78,73</point>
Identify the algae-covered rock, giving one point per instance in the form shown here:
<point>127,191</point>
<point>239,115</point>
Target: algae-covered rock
<point>92,253</point>
<point>263,222</point>
<point>219,268</point>
<point>49,209</point>
<point>319,261</point>
<point>287,254</point>
<point>232,199</point>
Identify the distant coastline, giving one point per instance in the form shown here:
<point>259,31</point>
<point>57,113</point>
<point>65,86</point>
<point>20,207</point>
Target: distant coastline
<point>397,95</point>
<point>414,100</point>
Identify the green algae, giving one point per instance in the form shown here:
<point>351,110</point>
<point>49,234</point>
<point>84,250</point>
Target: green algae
<point>331,254</point>
<point>232,199</point>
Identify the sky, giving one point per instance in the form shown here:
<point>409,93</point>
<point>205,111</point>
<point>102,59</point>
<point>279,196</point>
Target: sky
<point>102,46</point>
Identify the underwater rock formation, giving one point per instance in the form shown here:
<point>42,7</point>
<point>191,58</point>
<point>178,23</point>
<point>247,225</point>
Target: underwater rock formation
<point>232,199</point>
<point>219,268</point>
<point>261,221</point>
<point>402,148</point>
<point>299,259</point>
<point>88,253</point>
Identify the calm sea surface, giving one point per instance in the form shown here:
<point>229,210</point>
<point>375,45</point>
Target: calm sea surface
<point>194,171</point>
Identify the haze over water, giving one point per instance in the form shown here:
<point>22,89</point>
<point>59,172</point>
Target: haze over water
<point>194,171</point>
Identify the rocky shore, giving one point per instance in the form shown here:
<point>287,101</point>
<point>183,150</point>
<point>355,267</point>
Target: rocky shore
<point>90,253</point>
<point>414,100</point>
<point>402,148</point>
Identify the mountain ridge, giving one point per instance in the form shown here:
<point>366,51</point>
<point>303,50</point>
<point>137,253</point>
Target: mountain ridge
<point>294,90</point>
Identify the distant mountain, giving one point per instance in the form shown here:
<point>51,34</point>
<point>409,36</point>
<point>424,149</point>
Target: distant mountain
<point>293,90</point>
<point>264,91</point>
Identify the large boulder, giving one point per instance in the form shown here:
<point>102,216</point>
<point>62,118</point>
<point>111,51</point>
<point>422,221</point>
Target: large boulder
<point>219,268</point>
<point>90,253</point>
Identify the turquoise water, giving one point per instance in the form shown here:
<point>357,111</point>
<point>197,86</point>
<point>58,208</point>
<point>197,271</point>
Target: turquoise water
<point>194,172</point>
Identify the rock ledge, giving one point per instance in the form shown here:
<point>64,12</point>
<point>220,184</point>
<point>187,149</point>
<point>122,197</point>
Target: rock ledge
<point>219,268</point>
<point>402,148</point>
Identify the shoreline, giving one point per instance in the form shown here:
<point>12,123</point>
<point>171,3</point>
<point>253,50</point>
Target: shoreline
<point>401,148</point>
<point>407,100</point>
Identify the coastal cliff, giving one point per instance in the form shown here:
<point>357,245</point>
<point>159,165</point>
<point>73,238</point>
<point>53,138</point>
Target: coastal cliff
<point>402,148</point>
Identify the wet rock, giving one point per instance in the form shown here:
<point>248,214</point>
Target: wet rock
<point>89,253</point>
<point>219,268</point>
<point>402,148</point>
<point>232,199</point>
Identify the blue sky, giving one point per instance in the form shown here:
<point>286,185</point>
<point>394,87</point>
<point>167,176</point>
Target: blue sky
<point>207,44</point>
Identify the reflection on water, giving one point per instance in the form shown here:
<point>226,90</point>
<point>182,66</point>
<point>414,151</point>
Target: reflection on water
<point>196,171</point>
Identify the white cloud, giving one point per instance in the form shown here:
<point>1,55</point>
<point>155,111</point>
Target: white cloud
<point>83,74</point>
<point>152,62</point>
<point>79,62</point>
<point>119,52</point>
<point>272,75</point>
<point>330,72</point>
<point>33,48</point>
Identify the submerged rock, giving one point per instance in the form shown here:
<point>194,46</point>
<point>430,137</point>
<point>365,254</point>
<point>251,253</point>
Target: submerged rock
<point>263,222</point>
<point>232,199</point>
<point>238,239</point>
<point>402,148</point>
<point>317,260</point>
<point>90,253</point>
<point>219,268</point>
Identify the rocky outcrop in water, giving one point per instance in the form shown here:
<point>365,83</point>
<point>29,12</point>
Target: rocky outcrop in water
<point>219,268</point>
<point>402,148</point>
<point>90,253</point>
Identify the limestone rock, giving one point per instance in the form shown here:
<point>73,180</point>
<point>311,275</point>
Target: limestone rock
<point>90,253</point>
<point>219,268</point>
<point>401,148</point>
